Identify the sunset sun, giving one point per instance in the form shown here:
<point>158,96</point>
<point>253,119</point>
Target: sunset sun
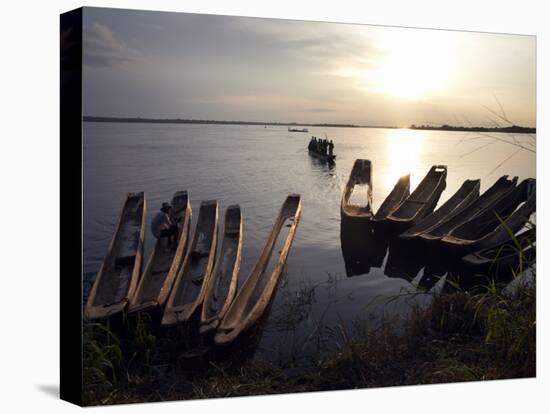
<point>410,69</point>
<point>404,77</point>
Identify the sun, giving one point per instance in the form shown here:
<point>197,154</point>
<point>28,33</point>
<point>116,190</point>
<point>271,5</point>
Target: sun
<point>404,75</point>
<point>414,66</point>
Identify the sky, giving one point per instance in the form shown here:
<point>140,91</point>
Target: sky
<point>178,65</point>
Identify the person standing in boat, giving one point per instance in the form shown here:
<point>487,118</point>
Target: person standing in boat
<point>163,225</point>
<point>330,147</point>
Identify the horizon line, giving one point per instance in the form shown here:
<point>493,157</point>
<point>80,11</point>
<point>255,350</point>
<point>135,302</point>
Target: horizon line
<point>138,119</point>
<point>102,118</point>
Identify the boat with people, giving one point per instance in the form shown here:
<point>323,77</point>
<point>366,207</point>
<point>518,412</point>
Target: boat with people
<point>322,149</point>
<point>422,200</point>
<point>360,179</point>
<point>118,276</point>
<point>466,195</point>
<point>494,225</point>
<point>256,293</point>
<point>482,203</point>
<point>297,129</point>
<point>188,290</point>
<point>323,157</point>
<point>161,269</point>
<point>222,285</point>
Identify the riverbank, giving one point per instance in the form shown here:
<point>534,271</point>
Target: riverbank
<point>461,336</point>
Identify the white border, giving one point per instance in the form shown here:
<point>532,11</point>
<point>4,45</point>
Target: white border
<point>30,206</point>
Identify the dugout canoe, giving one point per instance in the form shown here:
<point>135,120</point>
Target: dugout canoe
<point>519,249</point>
<point>495,225</point>
<point>187,294</point>
<point>423,199</point>
<point>222,286</point>
<point>466,195</point>
<point>400,192</point>
<point>322,157</point>
<point>258,290</point>
<point>483,202</point>
<point>116,281</point>
<point>164,262</point>
<point>361,175</point>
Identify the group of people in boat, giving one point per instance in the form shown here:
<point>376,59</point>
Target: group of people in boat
<point>321,146</point>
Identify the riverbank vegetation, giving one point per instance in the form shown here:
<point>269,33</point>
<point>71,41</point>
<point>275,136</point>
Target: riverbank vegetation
<point>482,334</point>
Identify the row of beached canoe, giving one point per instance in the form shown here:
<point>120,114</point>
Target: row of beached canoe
<point>196,279</point>
<point>479,227</point>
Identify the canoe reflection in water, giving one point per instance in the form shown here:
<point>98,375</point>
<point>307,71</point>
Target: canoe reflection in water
<point>367,248</point>
<point>362,248</point>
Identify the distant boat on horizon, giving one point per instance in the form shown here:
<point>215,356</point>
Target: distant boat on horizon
<point>297,129</point>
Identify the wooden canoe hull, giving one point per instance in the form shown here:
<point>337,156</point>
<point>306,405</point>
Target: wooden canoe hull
<point>483,202</point>
<point>361,174</point>
<point>400,192</point>
<point>466,195</point>
<point>423,199</point>
<point>162,267</point>
<point>222,285</point>
<point>187,293</point>
<point>246,310</point>
<point>118,276</point>
<point>494,226</point>
<point>506,255</point>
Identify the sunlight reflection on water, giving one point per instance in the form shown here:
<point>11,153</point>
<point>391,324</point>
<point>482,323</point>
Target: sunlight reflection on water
<point>402,154</point>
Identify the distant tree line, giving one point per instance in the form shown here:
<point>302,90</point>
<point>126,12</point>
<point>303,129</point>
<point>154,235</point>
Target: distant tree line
<point>509,129</point>
<point>204,121</point>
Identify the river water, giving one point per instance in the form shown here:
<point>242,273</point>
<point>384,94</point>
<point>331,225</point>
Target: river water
<point>257,167</point>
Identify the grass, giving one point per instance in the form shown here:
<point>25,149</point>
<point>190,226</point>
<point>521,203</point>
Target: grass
<point>485,333</point>
<point>459,337</point>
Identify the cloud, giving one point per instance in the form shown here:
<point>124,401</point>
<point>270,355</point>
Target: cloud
<point>102,48</point>
<point>211,67</point>
<point>323,44</point>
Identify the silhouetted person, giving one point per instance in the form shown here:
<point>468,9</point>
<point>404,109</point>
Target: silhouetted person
<point>163,225</point>
<point>330,147</point>
<point>313,144</point>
